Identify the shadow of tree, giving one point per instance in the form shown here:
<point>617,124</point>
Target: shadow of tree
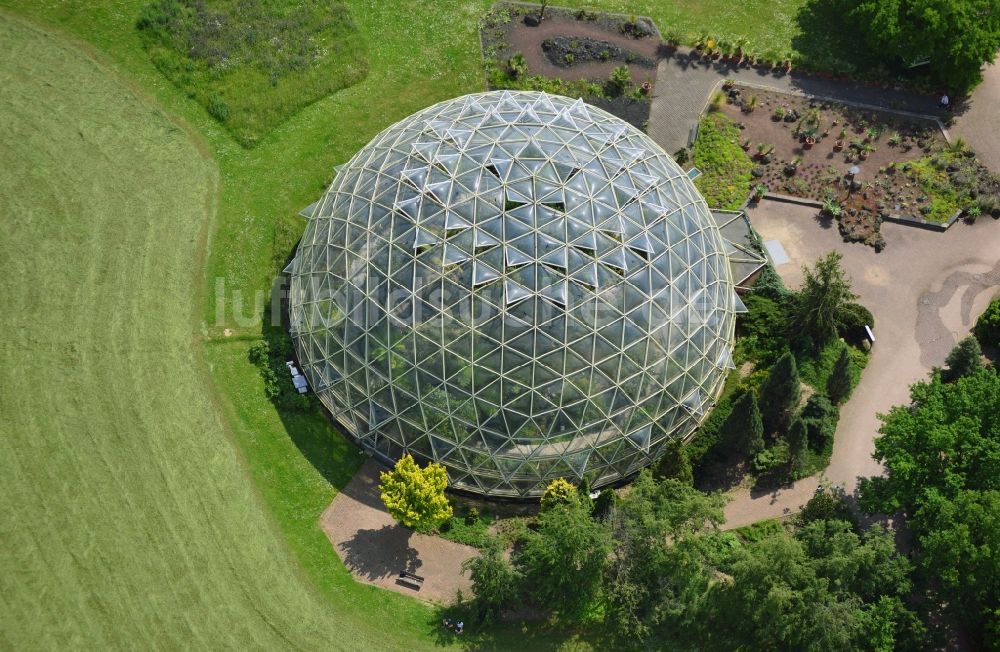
<point>377,554</point>
<point>824,220</point>
<point>720,475</point>
<point>827,40</point>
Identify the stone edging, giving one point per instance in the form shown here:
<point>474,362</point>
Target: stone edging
<point>922,223</point>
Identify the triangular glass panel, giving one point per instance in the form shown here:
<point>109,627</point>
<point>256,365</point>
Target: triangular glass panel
<point>483,273</point>
<point>515,257</point>
<point>738,306</point>
<point>513,292</point>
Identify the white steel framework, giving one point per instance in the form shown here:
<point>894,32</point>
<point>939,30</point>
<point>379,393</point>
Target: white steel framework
<point>518,286</point>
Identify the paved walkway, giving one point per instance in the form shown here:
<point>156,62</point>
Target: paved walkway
<point>978,120</point>
<point>374,548</point>
<point>685,80</point>
<point>925,290</point>
<point>921,289</point>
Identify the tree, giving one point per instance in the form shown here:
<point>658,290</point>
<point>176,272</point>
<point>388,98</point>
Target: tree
<point>650,582</point>
<point>963,360</point>
<point>564,559</point>
<point>798,445</point>
<point>495,582</point>
<point>820,417</point>
<point>742,433</point>
<point>825,589</point>
<point>821,302</point>
<point>839,384</point>
<point>414,496</point>
<point>987,328</point>
<point>957,36</point>
<point>827,504</point>
<point>559,492</point>
<point>942,459</point>
<point>780,394</point>
<point>853,318</point>
<point>674,462</point>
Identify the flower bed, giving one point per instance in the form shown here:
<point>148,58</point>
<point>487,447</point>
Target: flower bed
<point>608,60</point>
<point>861,164</point>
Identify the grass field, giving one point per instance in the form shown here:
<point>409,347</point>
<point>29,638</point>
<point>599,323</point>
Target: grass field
<point>253,64</point>
<point>131,518</point>
<point>128,520</point>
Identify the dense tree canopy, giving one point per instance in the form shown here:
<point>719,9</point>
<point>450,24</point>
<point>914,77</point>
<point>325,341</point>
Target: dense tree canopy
<point>957,36</point>
<point>662,575</point>
<point>942,457</point>
<point>563,561</point>
<point>988,325</point>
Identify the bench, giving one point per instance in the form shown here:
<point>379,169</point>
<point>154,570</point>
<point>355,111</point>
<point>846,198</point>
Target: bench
<point>414,581</point>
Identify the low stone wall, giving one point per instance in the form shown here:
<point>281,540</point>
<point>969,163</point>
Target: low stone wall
<point>922,223</point>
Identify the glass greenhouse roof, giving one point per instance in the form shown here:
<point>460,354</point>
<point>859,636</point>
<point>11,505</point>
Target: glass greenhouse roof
<point>518,286</point>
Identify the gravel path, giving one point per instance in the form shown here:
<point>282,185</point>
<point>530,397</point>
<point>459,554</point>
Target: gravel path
<point>375,548</point>
<point>925,291</point>
<point>978,120</point>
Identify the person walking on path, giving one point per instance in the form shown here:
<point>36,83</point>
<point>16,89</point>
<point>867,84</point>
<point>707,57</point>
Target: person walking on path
<point>945,102</point>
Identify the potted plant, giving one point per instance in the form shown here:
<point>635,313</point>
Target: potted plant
<point>746,145</point>
<point>778,114</point>
<point>750,104</point>
<point>645,88</point>
<point>808,142</point>
<point>759,191</point>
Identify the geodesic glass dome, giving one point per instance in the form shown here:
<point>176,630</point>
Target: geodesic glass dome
<point>518,286</point>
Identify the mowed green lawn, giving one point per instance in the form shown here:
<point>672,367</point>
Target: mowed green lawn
<point>128,519</point>
<point>133,520</point>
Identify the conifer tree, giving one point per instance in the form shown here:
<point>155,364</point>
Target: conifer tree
<point>838,385</point>
<point>964,360</point>
<point>742,433</point>
<point>674,463</point>
<point>780,393</point>
<point>415,496</point>
<point>798,444</point>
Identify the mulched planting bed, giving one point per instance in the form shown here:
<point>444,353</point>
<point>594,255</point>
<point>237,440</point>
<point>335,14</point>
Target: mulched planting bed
<point>806,148</point>
<point>573,52</point>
